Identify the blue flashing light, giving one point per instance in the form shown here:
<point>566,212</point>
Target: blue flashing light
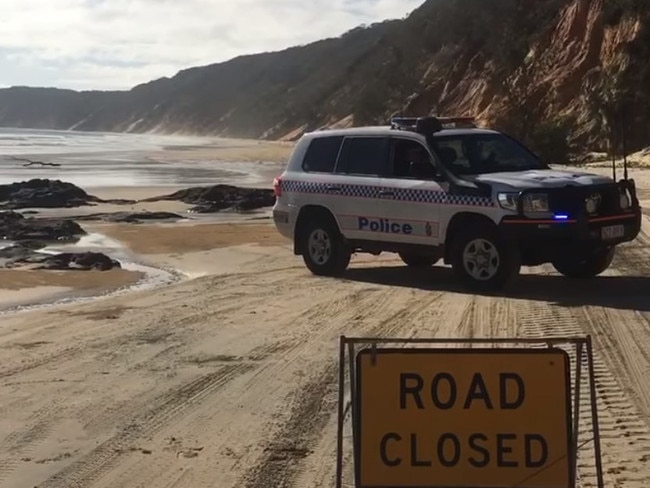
<point>561,217</point>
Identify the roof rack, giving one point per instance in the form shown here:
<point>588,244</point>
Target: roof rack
<point>430,124</point>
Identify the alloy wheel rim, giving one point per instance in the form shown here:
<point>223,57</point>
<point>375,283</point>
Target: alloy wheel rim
<point>319,246</point>
<point>481,259</point>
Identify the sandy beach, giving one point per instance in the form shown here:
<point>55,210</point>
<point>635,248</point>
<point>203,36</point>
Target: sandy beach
<point>225,375</point>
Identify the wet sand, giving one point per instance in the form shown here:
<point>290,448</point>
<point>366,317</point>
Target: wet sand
<point>21,287</point>
<point>240,150</point>
<point>150,239</point>
<point>19,279</point>
<point>242,163</point>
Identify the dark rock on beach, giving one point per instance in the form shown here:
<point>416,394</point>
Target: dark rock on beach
<point>46,193</point>
<point>43,193</point>
<point>15,227</point>
<point>217,198</point>
<point>78,261</point>
<point>130,217</point>
<point>18,255</point>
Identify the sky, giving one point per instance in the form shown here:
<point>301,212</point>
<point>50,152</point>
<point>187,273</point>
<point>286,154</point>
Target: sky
<point>117,44</point>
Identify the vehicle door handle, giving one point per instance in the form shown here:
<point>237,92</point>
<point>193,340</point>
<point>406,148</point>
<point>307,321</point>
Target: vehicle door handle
<point>333,188</point>
<point>386,193</point>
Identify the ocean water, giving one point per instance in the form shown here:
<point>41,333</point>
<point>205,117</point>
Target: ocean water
<point>98,159</point>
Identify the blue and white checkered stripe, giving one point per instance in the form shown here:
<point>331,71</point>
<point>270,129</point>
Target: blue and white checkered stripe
<point>401,194</point>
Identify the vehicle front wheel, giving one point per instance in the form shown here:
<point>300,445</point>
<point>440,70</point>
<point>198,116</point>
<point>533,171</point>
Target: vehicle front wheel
<point>586,265</point>
<point>324,252</point>
<point>482,260</point>
<point>418,260</point>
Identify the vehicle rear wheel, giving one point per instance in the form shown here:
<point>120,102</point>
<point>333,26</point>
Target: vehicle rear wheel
<point>585,265</point>
<point>324,252</point>
<point>483,260</point>
<point>418,260</point>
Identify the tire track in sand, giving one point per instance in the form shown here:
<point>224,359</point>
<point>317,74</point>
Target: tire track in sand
<point>21,443</point>
<point>288,464</point>
<point>279,359</point>
<point>40,425</point>
<point>450,315</point>
<point>621,426</point>
<point>164,408</point>
<point>283,458</point>
<point>185,334</point>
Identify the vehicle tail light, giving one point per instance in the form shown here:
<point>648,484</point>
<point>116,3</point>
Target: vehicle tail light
<point>277,186</point>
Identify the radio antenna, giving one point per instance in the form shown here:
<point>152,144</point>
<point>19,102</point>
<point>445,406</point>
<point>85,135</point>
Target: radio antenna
<point>624,142</point>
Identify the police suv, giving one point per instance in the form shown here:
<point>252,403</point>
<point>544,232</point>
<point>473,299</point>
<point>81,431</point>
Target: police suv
<point>434,188</point>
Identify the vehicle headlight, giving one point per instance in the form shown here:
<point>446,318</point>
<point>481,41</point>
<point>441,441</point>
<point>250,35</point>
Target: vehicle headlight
<point>508,200</point>
<point>626,200</point>
<point>536,202</point>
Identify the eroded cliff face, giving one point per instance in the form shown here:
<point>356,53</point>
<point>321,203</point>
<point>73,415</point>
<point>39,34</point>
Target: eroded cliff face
<point>576,53</point>
<point>511,63</point>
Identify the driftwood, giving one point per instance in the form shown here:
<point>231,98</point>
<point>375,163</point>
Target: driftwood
<point>29,162</point>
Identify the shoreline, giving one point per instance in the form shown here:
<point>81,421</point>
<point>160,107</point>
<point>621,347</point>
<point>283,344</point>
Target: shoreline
<point>22,289</point>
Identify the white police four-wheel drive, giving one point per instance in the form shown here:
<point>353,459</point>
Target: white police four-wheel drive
<point>434,188</point>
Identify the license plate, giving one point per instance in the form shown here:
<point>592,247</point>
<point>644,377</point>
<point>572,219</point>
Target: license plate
<point>613,232</point>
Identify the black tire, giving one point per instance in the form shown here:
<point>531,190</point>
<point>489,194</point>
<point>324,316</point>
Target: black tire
<point>586,265</point>
<point>418,260</point>
<point>503,261</point>
<point>334,258</point>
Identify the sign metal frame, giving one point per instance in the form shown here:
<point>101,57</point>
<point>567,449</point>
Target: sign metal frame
<point>349,347</point>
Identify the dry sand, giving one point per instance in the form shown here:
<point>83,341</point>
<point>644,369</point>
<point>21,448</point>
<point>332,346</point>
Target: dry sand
<point>229,379</point>
<point>639,159</point>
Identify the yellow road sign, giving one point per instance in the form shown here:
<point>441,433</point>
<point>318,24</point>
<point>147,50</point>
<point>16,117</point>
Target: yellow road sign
<point>466,418</point>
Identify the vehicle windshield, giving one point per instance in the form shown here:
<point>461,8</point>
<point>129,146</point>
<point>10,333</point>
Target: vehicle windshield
<point>476,154</point>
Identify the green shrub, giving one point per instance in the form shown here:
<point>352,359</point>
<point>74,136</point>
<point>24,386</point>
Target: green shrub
<point>551,140</point>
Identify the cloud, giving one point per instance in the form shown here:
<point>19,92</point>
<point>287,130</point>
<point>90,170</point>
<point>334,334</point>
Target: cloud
<point>115,44</point>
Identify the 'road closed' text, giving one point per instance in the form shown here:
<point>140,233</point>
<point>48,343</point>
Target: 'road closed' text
<point>430,418</point>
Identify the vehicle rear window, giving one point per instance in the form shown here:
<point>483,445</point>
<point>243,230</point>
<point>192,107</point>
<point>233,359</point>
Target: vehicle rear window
<point>364,156</point>
<point>321,155</point>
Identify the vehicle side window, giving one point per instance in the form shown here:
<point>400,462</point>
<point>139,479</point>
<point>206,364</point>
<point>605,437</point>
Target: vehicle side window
<point>452,152</point>
<point>410,159</point>
<point>367,156</point>
<point>321,154</point>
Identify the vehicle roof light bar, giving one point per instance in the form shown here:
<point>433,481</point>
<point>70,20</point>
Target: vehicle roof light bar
<point>431,124</point>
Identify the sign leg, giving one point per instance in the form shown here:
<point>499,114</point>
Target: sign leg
<point>594,415</point>
<point>341,407</point>
<point>576,410</point>
<point>353,400</point>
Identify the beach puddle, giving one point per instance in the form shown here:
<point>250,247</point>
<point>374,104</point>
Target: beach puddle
<point>152,276</point>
